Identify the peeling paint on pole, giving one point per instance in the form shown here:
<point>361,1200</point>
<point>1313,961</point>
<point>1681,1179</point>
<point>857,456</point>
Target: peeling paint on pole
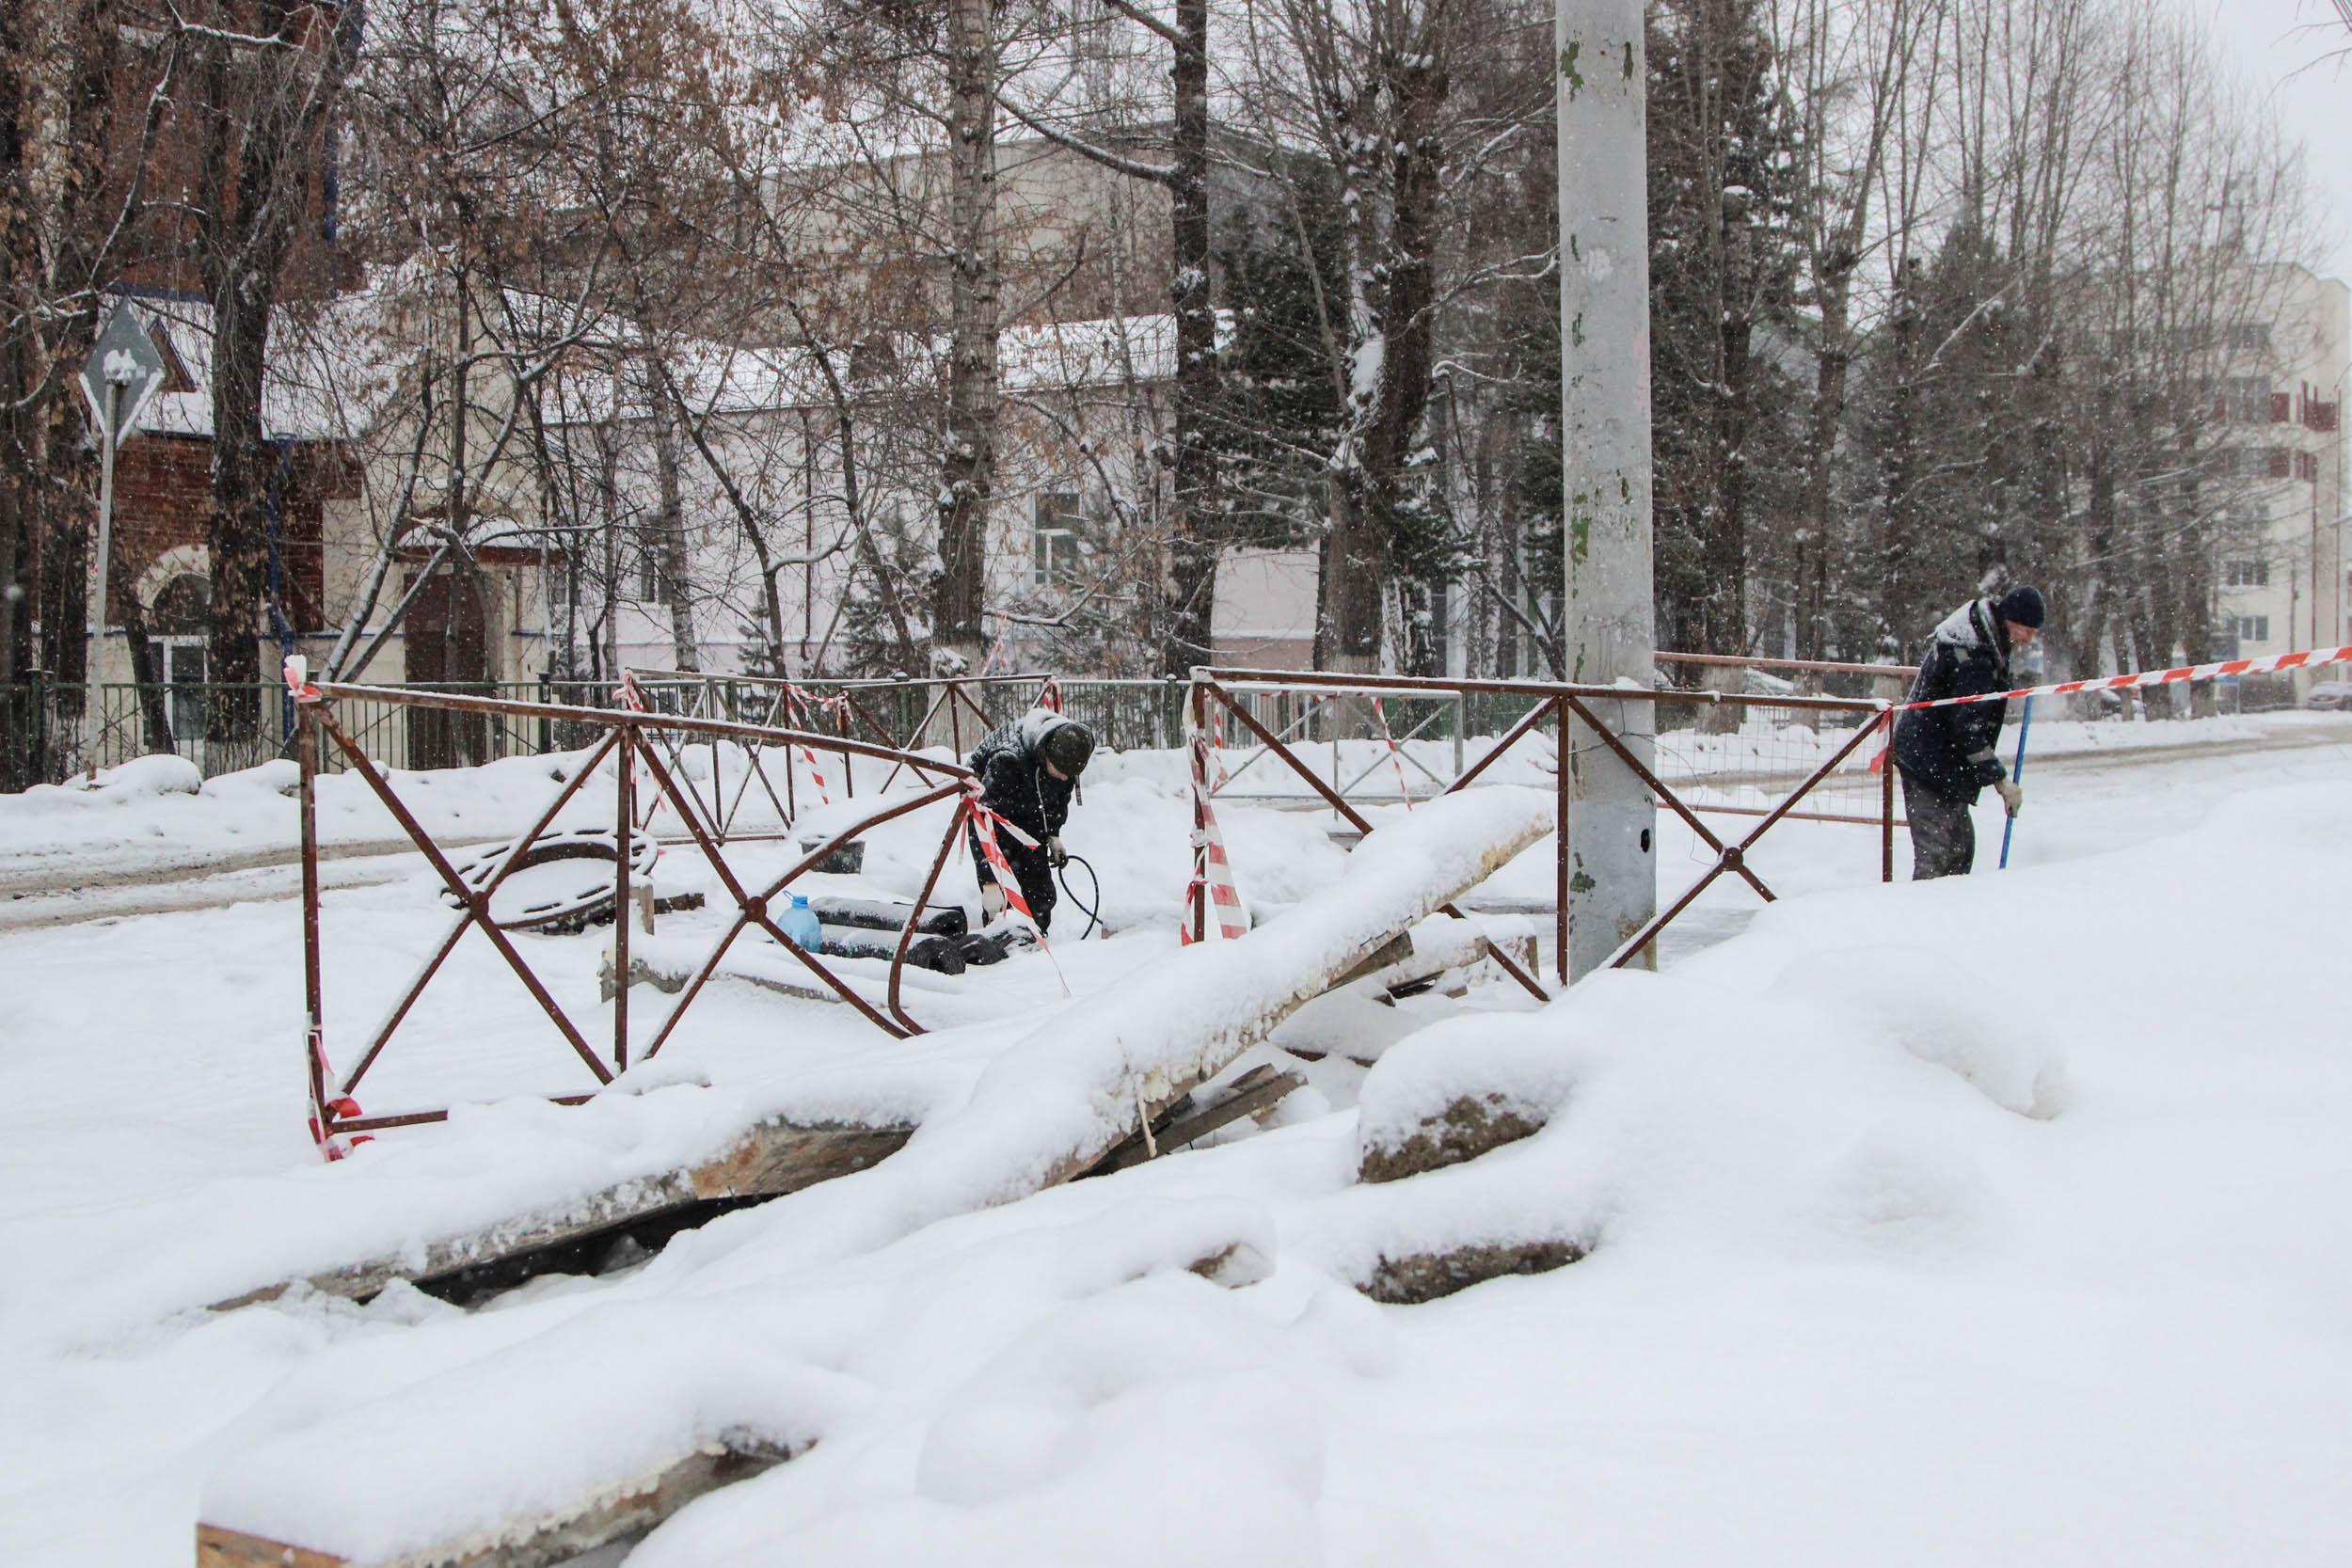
<point>1605,430</point>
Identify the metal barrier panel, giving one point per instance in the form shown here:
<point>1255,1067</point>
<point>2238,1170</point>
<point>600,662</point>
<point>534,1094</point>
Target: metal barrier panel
<point>627,737</point>
<point>1771,759</point>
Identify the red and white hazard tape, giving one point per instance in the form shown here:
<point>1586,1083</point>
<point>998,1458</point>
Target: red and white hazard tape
<point>1210,866</point>
<point>984,825</point>
<point>801,703</point>
<point>2309,658</point>
<point>332,1146</point>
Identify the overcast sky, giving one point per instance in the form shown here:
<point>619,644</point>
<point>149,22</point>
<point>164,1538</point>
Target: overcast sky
<point>2285,44</point>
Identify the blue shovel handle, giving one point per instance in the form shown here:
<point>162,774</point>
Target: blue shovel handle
<point>2017,771</point>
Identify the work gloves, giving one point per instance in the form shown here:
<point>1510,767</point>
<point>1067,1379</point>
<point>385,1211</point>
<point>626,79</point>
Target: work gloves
<point>1055,856</point>
<point>2013,795</point>
<point>992,900</point>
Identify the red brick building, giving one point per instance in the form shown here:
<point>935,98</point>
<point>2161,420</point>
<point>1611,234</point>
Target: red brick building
<point>163,496</point>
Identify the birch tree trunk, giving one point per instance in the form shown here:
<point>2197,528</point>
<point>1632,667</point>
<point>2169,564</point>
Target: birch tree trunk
<point>670,529</point>
<point>1193,563</point>
<point>967,475</point>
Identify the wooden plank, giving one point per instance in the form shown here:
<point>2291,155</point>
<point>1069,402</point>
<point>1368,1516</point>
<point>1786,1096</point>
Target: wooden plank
<point>629,1511</point>
<point>670,977</point>
<point>1155,1089</point>
<point>773,1158</point>
<point>229,1548</point>
<point>1254,1095</point>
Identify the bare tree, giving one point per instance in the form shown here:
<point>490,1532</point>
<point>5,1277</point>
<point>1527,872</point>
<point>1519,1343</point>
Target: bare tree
<point>264,99</point>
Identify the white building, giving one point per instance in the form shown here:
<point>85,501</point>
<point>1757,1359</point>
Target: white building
<point>2288,438</point>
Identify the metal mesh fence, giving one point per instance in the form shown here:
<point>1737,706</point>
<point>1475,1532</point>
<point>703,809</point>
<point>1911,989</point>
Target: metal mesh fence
<point>1742,759</point>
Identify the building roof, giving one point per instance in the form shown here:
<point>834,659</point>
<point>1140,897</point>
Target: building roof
<point>731,379</point>
<point>327,371</point>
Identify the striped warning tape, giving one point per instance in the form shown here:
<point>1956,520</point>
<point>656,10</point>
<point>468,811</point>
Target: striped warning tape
<point>984,825</point>
<point>801,704</point>
<point>1210,866</point>
<point>2308,658</point>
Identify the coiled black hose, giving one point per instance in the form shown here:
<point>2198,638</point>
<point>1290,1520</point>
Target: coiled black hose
<point>1093,919</point>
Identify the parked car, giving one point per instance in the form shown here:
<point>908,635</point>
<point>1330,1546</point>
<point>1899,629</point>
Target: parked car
<point>2335,696</point>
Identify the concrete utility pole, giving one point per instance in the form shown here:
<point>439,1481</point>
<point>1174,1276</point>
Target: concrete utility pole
<point>1610,626</point>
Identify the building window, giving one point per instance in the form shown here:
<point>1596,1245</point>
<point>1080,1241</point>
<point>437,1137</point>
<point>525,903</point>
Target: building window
<point>2307,466</point>
<point>2249,337</point>
<point>1057,539</point>
<point>2246,574</point>
<point>649,577</point>
<point>2252,628</point>
<point>176,627</point>
<point>2282,463</point>
<point>2246,398</point>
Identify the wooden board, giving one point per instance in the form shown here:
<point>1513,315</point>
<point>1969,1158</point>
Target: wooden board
<point>1154,1090</point>
<point>773,1158</point>
<point>228,1548</point>
<point>629,1511</point>
<point>1254,1094</point>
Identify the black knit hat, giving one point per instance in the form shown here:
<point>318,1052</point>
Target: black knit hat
<point>2022,605</point>
<point>1068,746</point>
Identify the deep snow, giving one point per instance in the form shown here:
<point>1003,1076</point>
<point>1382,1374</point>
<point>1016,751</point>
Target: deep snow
<point>2002,1219</point>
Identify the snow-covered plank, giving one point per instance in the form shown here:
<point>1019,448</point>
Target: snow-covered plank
<point>1255,1094</point>
<point>520,1430</point>
<point>494,1441</point>
<point>1434,946</point>
<point>774,1157</point>
<point>1178,1023</point>
<point>228,1548</point>
<point>625,1512</point>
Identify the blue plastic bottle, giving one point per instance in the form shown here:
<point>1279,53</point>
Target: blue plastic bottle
<point>800,924</point>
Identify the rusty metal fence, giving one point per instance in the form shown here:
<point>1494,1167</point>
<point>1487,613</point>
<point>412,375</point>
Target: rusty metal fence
<point>1410,735</point>
<point>1252,700</point>
<point>634,740</point>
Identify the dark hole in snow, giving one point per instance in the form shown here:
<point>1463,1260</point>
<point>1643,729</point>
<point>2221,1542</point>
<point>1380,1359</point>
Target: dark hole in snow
<point>621,1245</point>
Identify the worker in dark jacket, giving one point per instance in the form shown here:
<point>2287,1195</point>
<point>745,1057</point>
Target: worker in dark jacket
<point>1028,771</point>
<point>1948,755</point>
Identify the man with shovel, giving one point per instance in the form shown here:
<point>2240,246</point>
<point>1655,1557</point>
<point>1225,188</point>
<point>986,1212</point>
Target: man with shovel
<point>1948,755</point>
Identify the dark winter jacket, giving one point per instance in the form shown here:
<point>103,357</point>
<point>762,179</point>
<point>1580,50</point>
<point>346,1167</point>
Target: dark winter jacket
<point>1951,750</point>
<point>1014,780</point>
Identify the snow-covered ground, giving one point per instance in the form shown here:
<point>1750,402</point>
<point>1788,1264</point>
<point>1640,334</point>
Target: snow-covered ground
<point>2002,1220</point>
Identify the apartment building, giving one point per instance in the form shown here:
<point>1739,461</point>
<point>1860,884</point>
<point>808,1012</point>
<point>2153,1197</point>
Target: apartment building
<point>2284,586</point>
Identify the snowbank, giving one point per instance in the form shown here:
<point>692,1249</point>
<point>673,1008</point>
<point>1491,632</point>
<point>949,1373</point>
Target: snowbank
<point>1955,1223</point>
